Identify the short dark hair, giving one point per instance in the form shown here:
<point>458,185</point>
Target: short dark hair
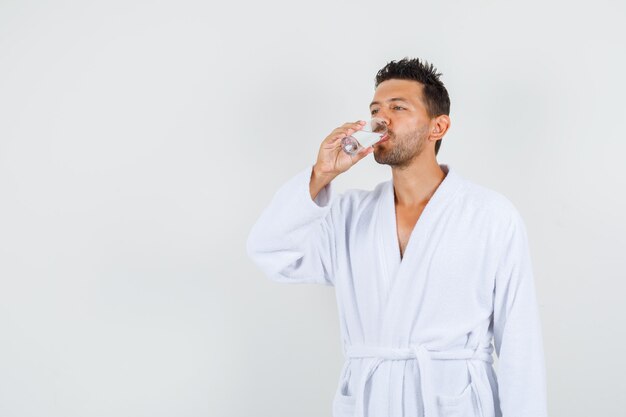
<point>436,96</point>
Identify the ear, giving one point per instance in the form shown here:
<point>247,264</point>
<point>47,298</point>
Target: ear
<point>439,126</point>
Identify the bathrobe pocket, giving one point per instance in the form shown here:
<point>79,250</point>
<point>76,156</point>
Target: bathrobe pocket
<point>462,405</point>
<point>344,402</point>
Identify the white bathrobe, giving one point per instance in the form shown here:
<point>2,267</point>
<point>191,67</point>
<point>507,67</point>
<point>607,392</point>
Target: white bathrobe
<point>417,331</point>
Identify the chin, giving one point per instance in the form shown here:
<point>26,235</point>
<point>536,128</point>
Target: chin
<point>378,157</point>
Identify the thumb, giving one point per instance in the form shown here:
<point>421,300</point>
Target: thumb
<point>362,154</point>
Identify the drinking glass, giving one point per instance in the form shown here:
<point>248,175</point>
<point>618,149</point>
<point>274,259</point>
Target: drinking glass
<point>369,135</point>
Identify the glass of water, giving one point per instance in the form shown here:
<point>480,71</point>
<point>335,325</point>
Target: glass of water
<point>369,135</point>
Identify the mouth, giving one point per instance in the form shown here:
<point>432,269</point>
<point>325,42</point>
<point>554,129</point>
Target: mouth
<point>385,138</point>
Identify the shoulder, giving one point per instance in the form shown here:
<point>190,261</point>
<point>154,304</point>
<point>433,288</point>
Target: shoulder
<point>359,196</point>
<point>355,203</point>
<point>489,202</point>
<point>492,213</point>
<point>356,199</point>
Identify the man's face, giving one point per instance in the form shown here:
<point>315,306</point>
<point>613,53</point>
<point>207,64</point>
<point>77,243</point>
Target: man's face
<point>400,104</point>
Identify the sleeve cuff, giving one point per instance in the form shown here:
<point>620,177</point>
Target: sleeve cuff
<point>324,198</point>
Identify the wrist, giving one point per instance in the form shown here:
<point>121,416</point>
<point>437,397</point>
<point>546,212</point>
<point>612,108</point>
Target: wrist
<point>318,182</point>
<point>319,174</point>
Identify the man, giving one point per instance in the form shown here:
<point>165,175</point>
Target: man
<point>428,268</point>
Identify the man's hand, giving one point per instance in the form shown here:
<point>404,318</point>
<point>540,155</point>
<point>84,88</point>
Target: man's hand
<point>332,160</point>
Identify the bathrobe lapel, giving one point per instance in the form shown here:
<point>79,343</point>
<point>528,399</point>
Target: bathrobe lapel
<point>406,278</point>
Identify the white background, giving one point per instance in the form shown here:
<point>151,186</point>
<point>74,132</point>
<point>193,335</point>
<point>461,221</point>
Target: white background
<point>139,141</point>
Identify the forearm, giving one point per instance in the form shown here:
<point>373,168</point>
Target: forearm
<point>318,182</point>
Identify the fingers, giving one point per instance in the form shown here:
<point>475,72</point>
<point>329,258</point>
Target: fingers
<point>345,130</point>
<point>362,154</point>
<point>348,128</point>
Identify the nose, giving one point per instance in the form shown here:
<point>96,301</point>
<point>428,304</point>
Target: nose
<point>380,114</point>
<point>384,118</point>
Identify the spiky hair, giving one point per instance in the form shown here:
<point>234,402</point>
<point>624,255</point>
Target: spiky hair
<point>435,93</point>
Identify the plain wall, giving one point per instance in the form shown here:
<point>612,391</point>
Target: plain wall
<point>139,142</point>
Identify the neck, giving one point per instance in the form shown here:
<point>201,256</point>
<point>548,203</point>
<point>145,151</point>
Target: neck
<point>415,184</point>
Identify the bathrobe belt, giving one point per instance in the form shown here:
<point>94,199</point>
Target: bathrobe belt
<point>423,356</point>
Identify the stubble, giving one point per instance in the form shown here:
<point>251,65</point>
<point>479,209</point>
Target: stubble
<point>399,151</point>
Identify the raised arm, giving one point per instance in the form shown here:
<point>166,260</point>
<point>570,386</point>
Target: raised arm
<point>294,239</point>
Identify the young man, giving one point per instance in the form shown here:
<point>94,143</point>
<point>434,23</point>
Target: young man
<point>428,268</point>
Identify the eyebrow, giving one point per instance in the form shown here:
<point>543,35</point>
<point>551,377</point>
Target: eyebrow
<point>390,100</point>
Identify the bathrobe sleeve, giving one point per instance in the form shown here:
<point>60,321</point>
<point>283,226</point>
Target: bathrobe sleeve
<point>517,329</point>
<point>293,240</point>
